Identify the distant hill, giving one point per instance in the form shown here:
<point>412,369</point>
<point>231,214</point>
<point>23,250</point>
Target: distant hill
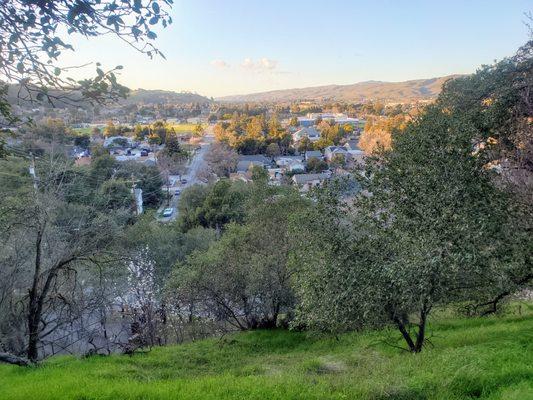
<point>164,96</point>
<point>420,89</point>
<point>135,96</point>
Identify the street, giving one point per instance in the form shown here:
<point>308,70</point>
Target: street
<point>196,165</point>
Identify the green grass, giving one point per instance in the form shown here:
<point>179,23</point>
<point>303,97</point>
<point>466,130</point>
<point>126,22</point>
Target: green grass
<point>179,128</point>
<point>83,131</point>
<point>490,358</point>
<point>182,128</point>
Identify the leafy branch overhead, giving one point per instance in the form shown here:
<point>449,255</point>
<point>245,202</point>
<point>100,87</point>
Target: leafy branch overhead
<point>32,38</point>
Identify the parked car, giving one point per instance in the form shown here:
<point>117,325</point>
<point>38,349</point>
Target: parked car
<point>144,153</point>
<point>183,181</point>
<point>167,212</point>
<point>177,192</point>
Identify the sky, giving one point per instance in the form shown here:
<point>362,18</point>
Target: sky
<point>225,47</point>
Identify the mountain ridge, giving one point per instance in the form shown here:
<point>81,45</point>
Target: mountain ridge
<point>410,90</point>
<point>153,96</point>
<point>135,96</point>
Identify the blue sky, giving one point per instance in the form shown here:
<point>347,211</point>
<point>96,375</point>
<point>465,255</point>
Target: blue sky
<point>222,47</point>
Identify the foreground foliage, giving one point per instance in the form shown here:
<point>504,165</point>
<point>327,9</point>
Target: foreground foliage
<point>486,358</point>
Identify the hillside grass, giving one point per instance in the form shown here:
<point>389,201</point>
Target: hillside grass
<point>185,128</point>
<point>480,358</point>
<point>83,131</point>
<point>179,128</point>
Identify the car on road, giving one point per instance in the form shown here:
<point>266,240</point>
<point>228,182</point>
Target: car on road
<point>167,212</point>
<point>177,192</point>
<point>184,181</point>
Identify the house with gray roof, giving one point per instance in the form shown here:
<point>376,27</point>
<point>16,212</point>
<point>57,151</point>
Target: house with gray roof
<point>306,182</point>
<point>354,152</point>
<point>309,132</point>
<point>247,161</point>
<point>313,154</point>
<point>331,151</point>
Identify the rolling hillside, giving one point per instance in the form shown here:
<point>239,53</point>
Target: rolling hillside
<point>476,358</point>
<point>135,97</point>
<point>164,96</point>
<point>420,89</point>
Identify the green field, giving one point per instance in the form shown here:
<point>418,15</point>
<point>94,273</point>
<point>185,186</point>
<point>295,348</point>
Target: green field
<point>83,131</point>
<point>185,127</point>
<point>489,358</point>
<point>179,128</point>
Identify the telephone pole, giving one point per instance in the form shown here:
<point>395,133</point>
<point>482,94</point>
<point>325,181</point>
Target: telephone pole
<point>32,171</point>
<point>137,197</point>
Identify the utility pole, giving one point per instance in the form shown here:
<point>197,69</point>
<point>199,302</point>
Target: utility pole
<point>32,171</point>
<point>168,187</point>
<point>137,197</point>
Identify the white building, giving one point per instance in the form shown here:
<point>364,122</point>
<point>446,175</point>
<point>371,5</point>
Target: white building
<point>338,118</point>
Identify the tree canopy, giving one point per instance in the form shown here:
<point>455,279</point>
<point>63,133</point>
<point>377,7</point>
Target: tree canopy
<point>32,41</point>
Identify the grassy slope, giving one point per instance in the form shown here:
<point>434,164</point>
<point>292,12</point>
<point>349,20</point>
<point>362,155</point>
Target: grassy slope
<point>475,358</point>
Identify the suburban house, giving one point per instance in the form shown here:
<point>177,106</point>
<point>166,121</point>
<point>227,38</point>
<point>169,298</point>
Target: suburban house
<point>135,154</point>
<point>331,151</point>
<point>354,152</point>
<point>275,174</point>
<point>241,176</point>
<point>306,182</point>
<point>352,146</point>
<point>313,154</point>
<point>296,166</point>
<point>118,141</point>
<point>290,163</point>
<point>309,132</point>
<point>246,162</point>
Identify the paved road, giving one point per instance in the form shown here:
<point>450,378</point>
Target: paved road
<point>196,165</point>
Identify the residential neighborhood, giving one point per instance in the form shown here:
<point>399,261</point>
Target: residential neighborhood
<point>266,200</point>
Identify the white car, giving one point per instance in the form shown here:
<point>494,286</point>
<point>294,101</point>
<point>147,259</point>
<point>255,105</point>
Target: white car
<point>167,212</point>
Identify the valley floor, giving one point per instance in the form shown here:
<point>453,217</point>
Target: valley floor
<point>481,358</point>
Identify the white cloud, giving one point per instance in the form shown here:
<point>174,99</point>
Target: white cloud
<point>262,65</point>
<point>219,64</point>
<point>248,63</point>
<point>268,64</point>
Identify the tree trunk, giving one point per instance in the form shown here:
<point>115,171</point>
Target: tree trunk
<point>33,338</point>
<point>421,334</point>
<point>407,337</point>
<point>34,316</point>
